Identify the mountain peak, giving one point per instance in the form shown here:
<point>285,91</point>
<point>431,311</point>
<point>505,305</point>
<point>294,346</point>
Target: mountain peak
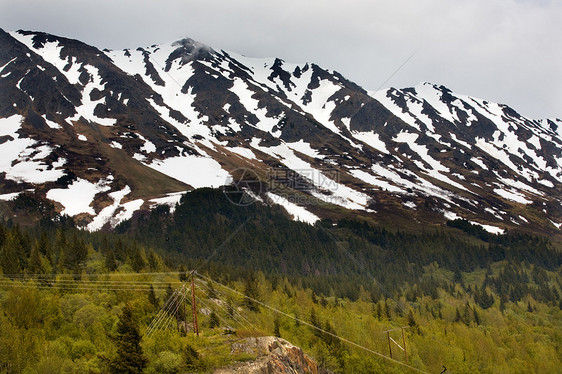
<point>189,49</point>
<point>126,130</point>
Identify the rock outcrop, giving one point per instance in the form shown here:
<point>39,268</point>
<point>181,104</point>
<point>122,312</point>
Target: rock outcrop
<point>275,356</point>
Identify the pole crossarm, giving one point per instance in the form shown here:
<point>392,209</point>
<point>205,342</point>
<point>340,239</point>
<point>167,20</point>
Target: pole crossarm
<point>394,341</point>
<point>396,329</point>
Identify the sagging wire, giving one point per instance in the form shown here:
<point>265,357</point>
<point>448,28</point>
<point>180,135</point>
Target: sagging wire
<point>341,338</point>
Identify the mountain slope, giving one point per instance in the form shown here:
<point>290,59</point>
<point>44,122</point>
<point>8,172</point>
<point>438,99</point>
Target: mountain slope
<point>121,129</point>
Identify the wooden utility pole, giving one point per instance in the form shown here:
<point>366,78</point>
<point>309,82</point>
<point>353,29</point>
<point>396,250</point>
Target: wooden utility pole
<point>193,306</point>
<point>184,311</point>
<point>394,341</point>
<point>389,346</point>
<point>404,342</point>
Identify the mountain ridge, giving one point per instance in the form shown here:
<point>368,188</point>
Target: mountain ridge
<point>183,115</point>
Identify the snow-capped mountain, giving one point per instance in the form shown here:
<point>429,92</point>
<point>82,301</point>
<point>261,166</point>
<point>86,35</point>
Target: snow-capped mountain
<point>105,133</point>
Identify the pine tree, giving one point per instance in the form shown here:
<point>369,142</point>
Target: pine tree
<point>74,254</point>
<point>3,233</point>
<point>45,248</point>
<point>191,358</point>
<point>503,300</point>
<point>59,248</point>
<point>387,310</point>
<point>169,292</point>
<point>22,242</point>
<point>314,321</point>
<point>153,260</point>
<point>10,256</point>
<point>120,251</point>
<point>110,262</point>
<point>211,291</point>
<point>411,319</point>
<point>183,273</point>
<point>458,317</point>
<point>130,358</point>
<point>276,329</point>
<point>137,258</point>
<point>378,311</point>
<point>476,316</point>
<point>104,247</point>
<point>252,293</point>
<point>467,314</point>
<point>214,320</point>
<point>35,265</point>
<point>152,299</point>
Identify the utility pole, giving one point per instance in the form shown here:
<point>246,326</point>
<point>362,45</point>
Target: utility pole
<point>184,311</point>
<point>193,306</point>
<point>394,341</point>
<point>389,346</point>
<point>404,342</point>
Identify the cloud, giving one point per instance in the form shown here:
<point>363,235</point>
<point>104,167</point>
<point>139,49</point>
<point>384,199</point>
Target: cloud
<point>501,50</point>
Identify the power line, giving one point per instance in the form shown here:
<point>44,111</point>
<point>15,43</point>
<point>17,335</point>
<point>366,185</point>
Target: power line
<point>316,327</point>
<point>249,324</point>
<point>397,70</point>
<point>114,274</point>
<point>168,310</point>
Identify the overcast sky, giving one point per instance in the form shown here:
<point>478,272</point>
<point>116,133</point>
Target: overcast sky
<point>509,51</point>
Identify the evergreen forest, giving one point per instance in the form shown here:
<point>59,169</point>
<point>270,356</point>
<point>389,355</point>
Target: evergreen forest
<point>119,301</point>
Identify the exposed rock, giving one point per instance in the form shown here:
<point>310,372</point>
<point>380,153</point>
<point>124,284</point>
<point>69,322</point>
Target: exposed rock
<point>275,355</point>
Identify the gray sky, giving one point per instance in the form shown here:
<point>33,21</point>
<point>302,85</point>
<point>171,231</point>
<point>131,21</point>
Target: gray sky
<point>509,51</point>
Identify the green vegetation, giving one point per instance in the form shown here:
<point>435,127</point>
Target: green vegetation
<point>74,302</point>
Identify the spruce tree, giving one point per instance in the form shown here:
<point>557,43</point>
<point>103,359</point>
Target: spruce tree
<point>10,256</point>
<point>130,358</point>
<point>153,260</point>
<point>183,273</point>
<point>476,316</point>
<point>152,299</point>
<point>110,261</point>
<point>35,265</point>
<point>411,319</point>
<point>252,292</point>
<point>387,310</point>
<point>458,317</point>
<point>137,259</point>
<point>191,358</point>
<point>214,320</point>
<point>3,233</point>
<point>276,328</point>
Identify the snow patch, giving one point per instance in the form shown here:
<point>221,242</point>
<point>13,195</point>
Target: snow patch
<point>512,195</point>
<point>304,148</point>
<point>115,145</point>
<point>409,204</point>
<point>22,158</point>
<point>371,138</point>
<point>50,123</point>
<point>170,199</point>
<point>107,213</point>
<point>78,197</point>
<point>557,225</point>
<point>86,110</point>
<point>9,196</point>
<point>244,152</point>
<point>299,213</point>
<point>197,171</point>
